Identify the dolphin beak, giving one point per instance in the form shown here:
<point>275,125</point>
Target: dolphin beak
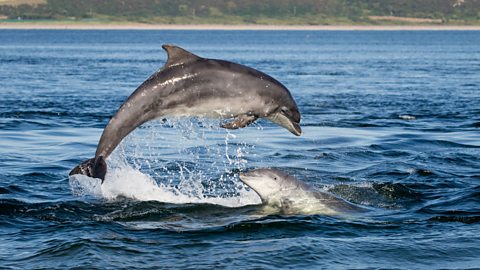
<point>283,121</point>
<point>244,176</point>
<point>295,129</point>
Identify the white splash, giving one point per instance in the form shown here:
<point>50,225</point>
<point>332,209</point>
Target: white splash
<point>407,117</point>
<point>127,182</point>
<point>199,172</point>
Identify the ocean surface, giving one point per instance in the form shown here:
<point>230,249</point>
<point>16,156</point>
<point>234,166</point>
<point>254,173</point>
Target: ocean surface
<point>391,122</point>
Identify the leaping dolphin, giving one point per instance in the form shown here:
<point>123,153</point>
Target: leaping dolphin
<point>284,192</point>
<point>189,85</point>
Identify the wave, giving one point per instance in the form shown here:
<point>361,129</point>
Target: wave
<point>467,219</point>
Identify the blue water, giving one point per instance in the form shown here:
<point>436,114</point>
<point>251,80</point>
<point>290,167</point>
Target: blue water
<point>391,122</point>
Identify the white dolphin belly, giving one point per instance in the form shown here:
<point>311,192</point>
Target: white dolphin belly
<point>304,202</point>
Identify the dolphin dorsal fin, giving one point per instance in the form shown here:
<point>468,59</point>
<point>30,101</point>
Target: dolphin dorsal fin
<point>178,56</point>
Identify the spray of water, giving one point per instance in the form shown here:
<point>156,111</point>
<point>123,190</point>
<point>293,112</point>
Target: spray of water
<point>175,161</point>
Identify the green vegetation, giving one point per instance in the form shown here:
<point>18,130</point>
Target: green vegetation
<point>311,12</point>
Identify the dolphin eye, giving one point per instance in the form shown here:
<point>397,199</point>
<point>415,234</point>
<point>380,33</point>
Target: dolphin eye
<point>274,178</point>
<point>285,111</point>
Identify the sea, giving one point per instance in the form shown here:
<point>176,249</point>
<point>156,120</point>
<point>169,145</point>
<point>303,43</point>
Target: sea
<point>390,119</point>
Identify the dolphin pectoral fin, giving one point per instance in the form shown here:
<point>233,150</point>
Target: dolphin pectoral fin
<point>240,121</point>
<point>286,205</point>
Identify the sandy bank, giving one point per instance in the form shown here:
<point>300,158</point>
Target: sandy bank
<point>140,26</point>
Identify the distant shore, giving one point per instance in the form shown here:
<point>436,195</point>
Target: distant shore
<point>142,26</point>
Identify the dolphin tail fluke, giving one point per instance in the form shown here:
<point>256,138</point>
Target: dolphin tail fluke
<point>94,167</point>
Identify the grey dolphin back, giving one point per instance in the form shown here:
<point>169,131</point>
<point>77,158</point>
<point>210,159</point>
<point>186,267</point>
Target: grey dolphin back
<point>121,124</point>
<point>117,129</point>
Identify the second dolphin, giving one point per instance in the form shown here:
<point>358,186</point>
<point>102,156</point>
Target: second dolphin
<point>279,190</point>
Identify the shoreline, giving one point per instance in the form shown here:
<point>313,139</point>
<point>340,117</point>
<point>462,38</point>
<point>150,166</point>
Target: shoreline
<point>142,26</point>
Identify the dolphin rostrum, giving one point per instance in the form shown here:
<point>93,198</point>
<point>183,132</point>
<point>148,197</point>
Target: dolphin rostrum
<point>281,191</point>
<point>189,85</point>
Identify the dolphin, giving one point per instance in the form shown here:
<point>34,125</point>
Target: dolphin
<point>189,85</point>
<point>279,190</point>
